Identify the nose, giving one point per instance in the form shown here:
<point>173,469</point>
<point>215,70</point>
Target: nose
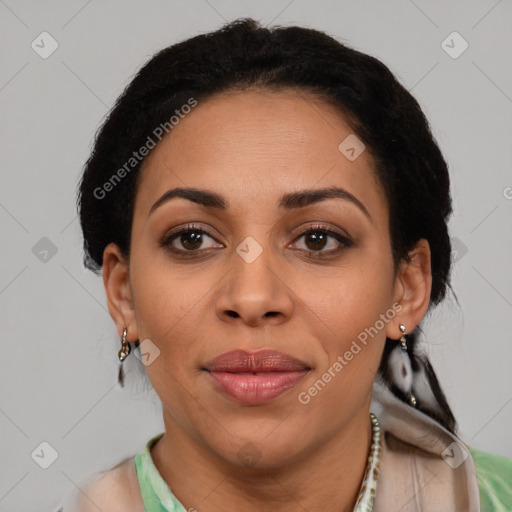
<point>255,293</point>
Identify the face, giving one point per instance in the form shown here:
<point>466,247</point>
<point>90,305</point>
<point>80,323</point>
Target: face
<point>270,262</point>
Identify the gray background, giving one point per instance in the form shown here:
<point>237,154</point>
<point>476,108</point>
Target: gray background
<point>59,345</point>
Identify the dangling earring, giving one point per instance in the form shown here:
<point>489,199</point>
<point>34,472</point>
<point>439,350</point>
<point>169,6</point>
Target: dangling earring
<point>126,348</point>
<point>402,340</point>
<point>405,367</point>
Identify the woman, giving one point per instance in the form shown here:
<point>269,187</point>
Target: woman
<point>269,211</point>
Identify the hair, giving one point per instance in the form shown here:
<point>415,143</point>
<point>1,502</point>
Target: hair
<point>240,55</point>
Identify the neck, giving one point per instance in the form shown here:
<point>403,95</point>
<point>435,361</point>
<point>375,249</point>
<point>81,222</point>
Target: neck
<point>327,479</point>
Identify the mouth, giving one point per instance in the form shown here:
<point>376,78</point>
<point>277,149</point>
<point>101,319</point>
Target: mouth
<point>255,378</point>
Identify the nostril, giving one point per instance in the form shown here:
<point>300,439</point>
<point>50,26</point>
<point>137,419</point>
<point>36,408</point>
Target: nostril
<point>233,314</point>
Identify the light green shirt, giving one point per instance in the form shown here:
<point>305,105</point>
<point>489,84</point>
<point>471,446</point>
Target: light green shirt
<point>494,474</point>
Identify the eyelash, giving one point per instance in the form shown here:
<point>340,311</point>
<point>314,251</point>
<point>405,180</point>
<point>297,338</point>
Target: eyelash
<point>346,242</point>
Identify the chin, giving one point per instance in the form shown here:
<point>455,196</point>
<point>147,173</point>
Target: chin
<point>263,451</point>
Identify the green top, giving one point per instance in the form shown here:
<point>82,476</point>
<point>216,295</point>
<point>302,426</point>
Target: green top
<point>494,475</point>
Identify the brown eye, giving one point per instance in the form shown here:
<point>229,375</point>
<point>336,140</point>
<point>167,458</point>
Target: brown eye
<point>189,239</point>
<point>315,240</point>
<point>323,242</point>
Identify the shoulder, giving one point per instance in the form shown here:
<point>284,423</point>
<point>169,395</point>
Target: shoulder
<point>494,474</point>
<point>114,490</point>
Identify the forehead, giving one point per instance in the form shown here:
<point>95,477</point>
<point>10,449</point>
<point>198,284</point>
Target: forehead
<point>260,143</point>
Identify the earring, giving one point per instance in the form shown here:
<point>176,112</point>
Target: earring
<point>403,346</point>
<point>126,348</point>
<point>402,340</point>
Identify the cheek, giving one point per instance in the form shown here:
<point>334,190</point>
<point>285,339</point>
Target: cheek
<point>167,313</point>
<point>352,299</point>
<point>167,303</point>
<point>351,327</point>
<point>163,291</point>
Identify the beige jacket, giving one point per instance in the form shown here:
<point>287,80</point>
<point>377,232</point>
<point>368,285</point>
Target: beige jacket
<point>423,468</point>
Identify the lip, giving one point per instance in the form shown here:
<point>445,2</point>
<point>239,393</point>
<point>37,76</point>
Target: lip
<point>254,378</point>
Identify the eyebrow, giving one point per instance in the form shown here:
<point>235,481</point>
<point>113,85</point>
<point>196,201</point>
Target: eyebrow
<point>298,199</point>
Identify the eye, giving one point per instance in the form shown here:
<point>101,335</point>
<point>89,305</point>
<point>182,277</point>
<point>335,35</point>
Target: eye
<point>321,241</point>
<point>191,238</point>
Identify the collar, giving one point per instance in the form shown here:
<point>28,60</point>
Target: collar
<point>424,466</point>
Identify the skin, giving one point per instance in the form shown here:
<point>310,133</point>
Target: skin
<point>252,147</point>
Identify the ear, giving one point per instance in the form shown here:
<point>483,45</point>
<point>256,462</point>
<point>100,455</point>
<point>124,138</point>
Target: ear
<point>413,284</point>
<point>116,280</point>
